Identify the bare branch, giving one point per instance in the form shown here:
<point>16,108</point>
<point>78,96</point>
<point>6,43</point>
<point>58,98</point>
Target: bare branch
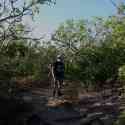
<point>27,38</point>
<point>113,3</point>
<point>11,15</point>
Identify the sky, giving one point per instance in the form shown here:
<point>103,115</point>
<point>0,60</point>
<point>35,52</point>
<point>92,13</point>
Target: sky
<point>50,17</point>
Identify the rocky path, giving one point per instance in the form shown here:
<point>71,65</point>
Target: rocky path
<point>64,111</point>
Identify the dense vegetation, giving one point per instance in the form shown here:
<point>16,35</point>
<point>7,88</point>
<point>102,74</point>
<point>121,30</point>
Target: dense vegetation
<point>93,50</point>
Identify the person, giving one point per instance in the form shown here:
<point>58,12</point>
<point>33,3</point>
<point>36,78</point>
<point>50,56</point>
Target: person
<point>58,71</point>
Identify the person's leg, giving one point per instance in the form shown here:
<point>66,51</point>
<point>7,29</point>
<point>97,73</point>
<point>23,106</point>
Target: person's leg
<point>61,83</point>
<point>59,87</point>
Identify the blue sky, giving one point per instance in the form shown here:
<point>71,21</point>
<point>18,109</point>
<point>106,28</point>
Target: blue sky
<point>50,17</point>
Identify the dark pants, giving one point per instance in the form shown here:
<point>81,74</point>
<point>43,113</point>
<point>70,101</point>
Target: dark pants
<point>58,83</point>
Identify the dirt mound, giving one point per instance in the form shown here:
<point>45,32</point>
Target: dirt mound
<point>30,83</point>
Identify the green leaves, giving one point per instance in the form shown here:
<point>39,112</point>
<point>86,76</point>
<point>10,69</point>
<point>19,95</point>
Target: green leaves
<point>121,73</point>
<point>43,1</point>
<point>70,36</point>
<point>121,119</point>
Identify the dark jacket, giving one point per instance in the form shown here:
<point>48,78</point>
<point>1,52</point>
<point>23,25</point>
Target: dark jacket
<point>59,68</point>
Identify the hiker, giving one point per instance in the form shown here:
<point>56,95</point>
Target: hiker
<point>58,72</point>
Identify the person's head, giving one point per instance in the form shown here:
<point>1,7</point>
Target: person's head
<point>59,58</point>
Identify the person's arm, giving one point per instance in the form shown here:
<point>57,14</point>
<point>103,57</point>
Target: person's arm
<point>63,67</point>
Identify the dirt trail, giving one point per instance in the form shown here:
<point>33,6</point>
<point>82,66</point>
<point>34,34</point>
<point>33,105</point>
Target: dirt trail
<point>65,111</point>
